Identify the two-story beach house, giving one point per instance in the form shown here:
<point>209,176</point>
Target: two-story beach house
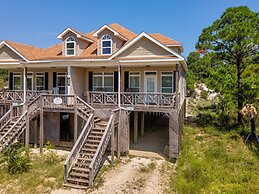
<point>91,93</point>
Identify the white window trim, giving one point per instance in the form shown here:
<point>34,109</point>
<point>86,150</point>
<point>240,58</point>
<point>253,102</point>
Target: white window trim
<point>30,76</point>
<point>102,75</point>
<point>161,75</point>
<point>106,47</point>
<point>139,75</point>
<point>17,74</point>
<point>66,42</point>
<point>43,80</point>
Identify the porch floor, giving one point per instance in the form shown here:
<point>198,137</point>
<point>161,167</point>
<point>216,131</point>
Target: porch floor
<point>155,138</point>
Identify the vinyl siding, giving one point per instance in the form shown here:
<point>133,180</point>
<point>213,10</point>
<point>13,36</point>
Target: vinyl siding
<point>6,54</point>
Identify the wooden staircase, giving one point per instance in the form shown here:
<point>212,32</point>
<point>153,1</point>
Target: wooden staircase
<point>79,175</point>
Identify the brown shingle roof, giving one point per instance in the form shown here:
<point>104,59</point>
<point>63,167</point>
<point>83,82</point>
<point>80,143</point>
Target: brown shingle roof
<point>55,52</point>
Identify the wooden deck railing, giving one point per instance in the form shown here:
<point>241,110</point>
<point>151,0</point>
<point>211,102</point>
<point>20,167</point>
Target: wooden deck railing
<point>5,119</point>
<point>78,146</point>
<point>17,95</point>
<point>133,99</point>
<point>98,156</point>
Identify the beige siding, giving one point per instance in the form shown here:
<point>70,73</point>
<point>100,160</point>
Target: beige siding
<point>6,54</point>
<point>78,81</point>
<point>116,42</point>
<point>144,48</point>
<point>175,49</point>
<point>81,45</point>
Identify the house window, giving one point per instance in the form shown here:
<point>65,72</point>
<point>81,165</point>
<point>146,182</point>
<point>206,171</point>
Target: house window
<point>167,82</point>
<point>134,81</point>
<point>40,80</point>
<point>17,81</point>
<point>103,82</point>
<point>70,46</point>
<point>61,82</point>
<point>29,81</point>
<point>106,45</point>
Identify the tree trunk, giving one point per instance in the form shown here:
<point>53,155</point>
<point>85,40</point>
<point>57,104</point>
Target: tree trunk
<point>239,93</point>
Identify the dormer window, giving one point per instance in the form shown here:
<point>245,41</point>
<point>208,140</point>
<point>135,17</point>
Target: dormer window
<point>70,46</point>
<point>106,45</point>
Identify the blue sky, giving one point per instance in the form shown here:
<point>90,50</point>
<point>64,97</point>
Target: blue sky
<point>39,22</point>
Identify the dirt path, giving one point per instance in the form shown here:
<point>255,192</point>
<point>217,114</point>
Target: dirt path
<point>132,175</point>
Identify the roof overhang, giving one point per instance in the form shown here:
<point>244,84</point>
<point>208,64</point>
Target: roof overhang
<point>74,32</point>
<point>112,30</point>
<point>3,43</point>
<point>143,34</point>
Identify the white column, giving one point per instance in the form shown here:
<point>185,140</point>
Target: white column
<point>119,84</point>
<point>68,79</point>
<point>24,83</point>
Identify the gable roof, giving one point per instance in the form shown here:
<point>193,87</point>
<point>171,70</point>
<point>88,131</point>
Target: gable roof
<point>77,33</point>
<point>165,40</point>
<point>136,39</point>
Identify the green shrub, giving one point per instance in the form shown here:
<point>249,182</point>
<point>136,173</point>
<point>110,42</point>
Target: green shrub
<point>51,157</point>
<point>18,159</point>
<point>204,94</point>
<point>49,145</point>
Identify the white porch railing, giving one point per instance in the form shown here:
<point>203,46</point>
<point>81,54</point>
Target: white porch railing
<point>17,95</point>
<point>133,99</point>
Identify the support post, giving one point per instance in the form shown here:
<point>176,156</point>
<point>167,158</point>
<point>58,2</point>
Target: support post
<point>119,85</point>
<point>35,133</point>
<point>27,131</point>
<point>142,123</point>
<point>75,119</point>
<point>41,126</point>
<point>177,97</point>
<point>118,135</point>
<point>24,84</point>
<point>135,127</point>
<point>112,141</point>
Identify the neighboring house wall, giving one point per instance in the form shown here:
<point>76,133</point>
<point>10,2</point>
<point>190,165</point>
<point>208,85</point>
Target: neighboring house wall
<point>144,48</point>
<point>6,54</point>
<point>81,45</point>
<point>116,42</point>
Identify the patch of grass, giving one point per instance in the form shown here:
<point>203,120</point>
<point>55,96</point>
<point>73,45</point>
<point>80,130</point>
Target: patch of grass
<point>42,177</point>
<point>148,168</point>
<point>215,161</point>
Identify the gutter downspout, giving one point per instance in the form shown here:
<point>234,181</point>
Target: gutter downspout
<point>119,84</point>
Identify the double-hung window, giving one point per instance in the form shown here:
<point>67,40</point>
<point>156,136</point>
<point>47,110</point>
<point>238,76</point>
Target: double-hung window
<point>134,81</point>
<point>61,82</point>
<point>70,46</point>
<point>167,82</point>
<point>17,81</point>
<point>103,82</point>
<point>40,81</point>
<point>106,44</point>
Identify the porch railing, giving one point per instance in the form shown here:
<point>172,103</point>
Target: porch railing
<point>18,95</point>
<point>133,99</point>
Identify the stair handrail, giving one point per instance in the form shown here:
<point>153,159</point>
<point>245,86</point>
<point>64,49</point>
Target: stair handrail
<point>35,101</point>
<point>5,119</point>
<point>78,146</point>
<point>20,118</point>
<point>83,102</point>
<point>96,161</point>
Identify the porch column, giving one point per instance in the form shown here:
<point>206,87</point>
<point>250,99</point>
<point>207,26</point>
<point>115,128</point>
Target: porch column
<point>75,119</point>
<point>142,123</point>
<point>35,132</point>
<point>68,79</point>
<point>119,84</point>
<point>135,127</point>
<point>27,131</point>
<point>41,126</point>
<point>118,135</point>
<point>112,141</point>
<point>24,83</point>
<point>177,99</point>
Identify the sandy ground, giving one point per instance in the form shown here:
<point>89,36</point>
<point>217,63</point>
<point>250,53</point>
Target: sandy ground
<point>132,175</point>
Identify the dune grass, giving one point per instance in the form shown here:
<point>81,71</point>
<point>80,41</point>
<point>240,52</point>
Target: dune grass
<point>214,161</point>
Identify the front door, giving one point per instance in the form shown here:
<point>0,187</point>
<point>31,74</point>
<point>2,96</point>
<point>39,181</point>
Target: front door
<point>150,86</point>
<point>29,81</point>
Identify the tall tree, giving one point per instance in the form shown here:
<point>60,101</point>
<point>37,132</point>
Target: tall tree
<point>234,39</point>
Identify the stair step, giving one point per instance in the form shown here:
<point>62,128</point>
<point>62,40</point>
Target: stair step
<point>82,164</point>
<point>88,154</point>
<point>97,132</point>
<point>85,159</point>
<point>85,181</point>
<point>76,186</point>
<point>97,120</point>
<point>76,174</point>
<point>88,149</point>
<point>75,168</point>
<point>93,141</point>
<point>95,136</point>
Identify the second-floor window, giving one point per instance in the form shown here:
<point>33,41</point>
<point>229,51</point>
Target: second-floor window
<point>167,82</point>
<point>106,44</point>
<point>40,80</point>
<point>134,81</point>
<point>17,81</point>
<point>103,81</point>
<point>70,46</point>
